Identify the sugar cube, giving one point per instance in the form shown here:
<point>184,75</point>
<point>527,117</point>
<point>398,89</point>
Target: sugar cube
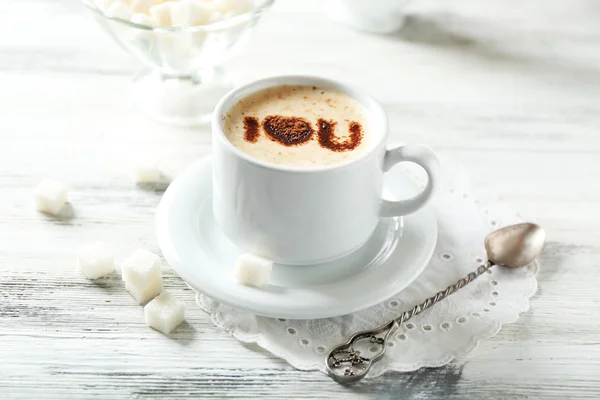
<point>146,171</point>
<point>103,4</point>
<point>190,13</point>
<point>237,6</point>
<point>161,13</point>
<point>215,17</point>
<point>141,273</point>
<point>142,6</point>
<point>50,196</point>
<point>230,14</point>
<point>252,270</point>
<point>142,19</point>
<point>96,259</point>
<point>119,9</point>
<point>164,313</point>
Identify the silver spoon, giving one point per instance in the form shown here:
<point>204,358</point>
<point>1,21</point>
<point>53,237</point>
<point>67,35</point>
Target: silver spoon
<point>514,246</point>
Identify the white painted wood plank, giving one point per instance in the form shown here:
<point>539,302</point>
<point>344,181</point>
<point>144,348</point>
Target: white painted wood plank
<point>508,88</point>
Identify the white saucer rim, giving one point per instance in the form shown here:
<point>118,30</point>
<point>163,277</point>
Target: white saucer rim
<point>321,312</point>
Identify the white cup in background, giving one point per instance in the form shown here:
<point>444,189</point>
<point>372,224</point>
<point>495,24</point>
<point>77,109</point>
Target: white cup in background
<point>380,16</point>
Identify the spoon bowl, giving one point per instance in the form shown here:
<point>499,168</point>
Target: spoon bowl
<point>516,245</point>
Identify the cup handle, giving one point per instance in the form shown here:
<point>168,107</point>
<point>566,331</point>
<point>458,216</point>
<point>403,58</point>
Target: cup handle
<point>428,161</point>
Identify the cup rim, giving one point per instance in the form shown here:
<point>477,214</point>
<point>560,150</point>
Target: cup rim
<point>250,88</point>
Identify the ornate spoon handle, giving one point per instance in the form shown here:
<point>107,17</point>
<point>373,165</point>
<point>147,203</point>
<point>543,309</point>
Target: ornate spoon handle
<point>345,363</point>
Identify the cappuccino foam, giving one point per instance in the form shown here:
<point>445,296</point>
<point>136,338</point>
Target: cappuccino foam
<point>299,126</point>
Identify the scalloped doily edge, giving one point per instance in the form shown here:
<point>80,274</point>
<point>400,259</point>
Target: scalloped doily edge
<point>434,363</point>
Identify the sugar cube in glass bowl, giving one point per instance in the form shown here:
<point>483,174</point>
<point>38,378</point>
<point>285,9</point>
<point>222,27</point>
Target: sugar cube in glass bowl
<point>182,81</point>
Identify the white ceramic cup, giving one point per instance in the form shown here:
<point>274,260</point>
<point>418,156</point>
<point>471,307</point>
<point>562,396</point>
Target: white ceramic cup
<point>296,215</point>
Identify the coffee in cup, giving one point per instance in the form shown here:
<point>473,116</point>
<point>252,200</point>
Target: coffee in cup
<point>298,166</point>
<point>301,126</point>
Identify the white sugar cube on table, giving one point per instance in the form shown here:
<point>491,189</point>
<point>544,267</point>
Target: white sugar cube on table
<point>252,270</point>
<point>141,273</point>
<point>50,196</point>
<point>140,265</point>
<point>146,171</point>
<point>144,293</point>
<point>164,313</point>
<point>96,260</point>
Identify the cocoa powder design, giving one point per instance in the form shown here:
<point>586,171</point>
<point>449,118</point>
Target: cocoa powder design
<point>289,131</point>
<point>292,131</point>
<point>328,140</point>
<point>251,129</point>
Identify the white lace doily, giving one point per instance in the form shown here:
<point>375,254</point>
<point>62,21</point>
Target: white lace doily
<point>451,329</point>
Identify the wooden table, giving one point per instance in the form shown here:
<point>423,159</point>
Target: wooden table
<point>508,88</point>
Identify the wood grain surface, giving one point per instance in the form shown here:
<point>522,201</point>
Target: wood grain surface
<point>508,88</point>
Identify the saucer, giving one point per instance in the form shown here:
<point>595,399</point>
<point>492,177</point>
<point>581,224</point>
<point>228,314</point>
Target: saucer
<point>199,252</point>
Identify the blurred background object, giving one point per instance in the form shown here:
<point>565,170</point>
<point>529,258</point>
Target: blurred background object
<point>182,80</point>
<point>381,16</point>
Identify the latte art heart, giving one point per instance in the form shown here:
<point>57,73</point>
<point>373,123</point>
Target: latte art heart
<point>288,131</point>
